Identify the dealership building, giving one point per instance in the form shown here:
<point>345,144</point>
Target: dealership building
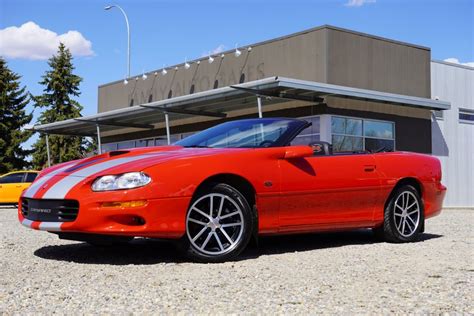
<point>361,92</point>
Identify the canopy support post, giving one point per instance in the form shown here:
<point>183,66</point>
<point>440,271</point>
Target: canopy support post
<point>47,150</point>
<point>259,105</point>
<point>99,143</point>
<point>167,122</point>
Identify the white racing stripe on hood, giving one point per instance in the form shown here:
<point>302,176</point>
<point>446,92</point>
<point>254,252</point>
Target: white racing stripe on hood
<point>62,187</point>
<point>32,189</point>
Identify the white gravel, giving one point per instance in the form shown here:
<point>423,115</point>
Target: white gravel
<point>337,273</point>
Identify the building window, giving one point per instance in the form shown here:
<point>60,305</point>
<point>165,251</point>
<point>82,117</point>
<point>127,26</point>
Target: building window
<point>161,142</point>
<point>109,147</point>
<point>149,142</point>
<point>146,142</point>
<point>310,134</point>
<point>126,144</point>
<point>353,134</point>
<point>466,116</point>
<point>184,135</point>
<point>346,134</point>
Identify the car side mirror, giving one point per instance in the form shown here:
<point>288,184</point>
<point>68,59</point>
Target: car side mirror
<point>292,152</point>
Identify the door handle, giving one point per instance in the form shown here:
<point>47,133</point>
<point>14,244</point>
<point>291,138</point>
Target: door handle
<point>18,186</point>
<point>369,168</point>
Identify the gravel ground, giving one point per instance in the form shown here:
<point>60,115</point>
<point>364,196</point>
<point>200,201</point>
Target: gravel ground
<point>336,273</point>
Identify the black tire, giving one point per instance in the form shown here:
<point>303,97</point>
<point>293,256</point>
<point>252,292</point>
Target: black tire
<point>393,228</point>
<point>217,242</point>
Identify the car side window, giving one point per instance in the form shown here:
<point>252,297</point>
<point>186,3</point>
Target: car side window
<point>31,176</point>
<point>12,178</point>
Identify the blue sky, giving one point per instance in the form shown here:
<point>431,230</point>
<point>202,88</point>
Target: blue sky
<point>166,32</point>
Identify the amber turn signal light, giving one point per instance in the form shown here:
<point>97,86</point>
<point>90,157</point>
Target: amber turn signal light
<point>127,204</point>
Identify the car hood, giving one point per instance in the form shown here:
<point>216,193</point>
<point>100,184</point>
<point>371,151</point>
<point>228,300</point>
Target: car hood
<point>129,160</point>
<point>58,181</point>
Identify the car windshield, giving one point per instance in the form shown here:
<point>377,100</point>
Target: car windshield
<point>253,133</point>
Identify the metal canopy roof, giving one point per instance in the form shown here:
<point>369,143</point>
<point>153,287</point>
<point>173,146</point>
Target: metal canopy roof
<point>218,102</point>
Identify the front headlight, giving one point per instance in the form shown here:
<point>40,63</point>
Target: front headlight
<point>124,181</point>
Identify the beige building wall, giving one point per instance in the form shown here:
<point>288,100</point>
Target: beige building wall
<point>367,62</point>
<point>301,57</point>
<point>325,54</point>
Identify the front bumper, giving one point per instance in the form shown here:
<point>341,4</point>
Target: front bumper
<point>159,218</point>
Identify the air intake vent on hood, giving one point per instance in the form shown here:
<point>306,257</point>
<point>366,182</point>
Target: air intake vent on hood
<point>118,153</point>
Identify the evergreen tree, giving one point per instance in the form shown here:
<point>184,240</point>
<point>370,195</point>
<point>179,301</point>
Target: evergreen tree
<point>90,146</point>
<point>13,117</point>
<point>60,85</point>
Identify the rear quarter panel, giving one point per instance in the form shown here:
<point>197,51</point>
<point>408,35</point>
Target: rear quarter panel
<point>425,169</point>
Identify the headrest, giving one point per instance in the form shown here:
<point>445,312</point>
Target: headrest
<point>321,148</point>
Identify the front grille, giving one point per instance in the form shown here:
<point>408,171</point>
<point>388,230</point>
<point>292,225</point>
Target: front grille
<point>50,210</point>
<point>24,207</point>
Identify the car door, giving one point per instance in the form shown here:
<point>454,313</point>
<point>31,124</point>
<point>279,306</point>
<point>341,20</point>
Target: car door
<point>11,186</point>
<point>336,191</point>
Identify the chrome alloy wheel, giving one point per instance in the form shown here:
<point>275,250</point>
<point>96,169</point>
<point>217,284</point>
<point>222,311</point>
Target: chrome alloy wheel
<point>406,213</point>
<point>215,224</point>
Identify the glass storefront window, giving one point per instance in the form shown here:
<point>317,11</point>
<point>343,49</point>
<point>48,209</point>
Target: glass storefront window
<point>379,135</point>
<point>109,147</point>
<point>346,126</point>
<point>126,145</point>
<point>378,129</point>
<point>352,135</point>
<point>347,143</point>
<point>145,142</point>
<point>305,139</point>
<point>141,143</point>
<point>161,142</point>
<point>184,135</point>
<point>348,135</point>
<point>374,144</point>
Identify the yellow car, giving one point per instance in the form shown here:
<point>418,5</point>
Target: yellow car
<point>13,183</point>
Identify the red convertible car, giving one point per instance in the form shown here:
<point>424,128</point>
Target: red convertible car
<point>219,188</point>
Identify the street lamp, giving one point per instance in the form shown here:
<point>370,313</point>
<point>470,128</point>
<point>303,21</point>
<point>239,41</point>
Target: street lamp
<point>128,36</point>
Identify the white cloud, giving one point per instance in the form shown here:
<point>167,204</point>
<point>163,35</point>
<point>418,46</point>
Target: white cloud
<point>218,49</point>
<point>358,3</point>
<point>215,51</point>
<point>30,41</point>
<point>456,61</point>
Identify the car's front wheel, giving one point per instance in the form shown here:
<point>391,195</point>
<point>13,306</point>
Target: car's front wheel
<point>218,225</point>
<point>404,216</point>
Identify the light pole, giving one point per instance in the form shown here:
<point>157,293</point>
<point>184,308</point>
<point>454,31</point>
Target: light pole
<point>128,36</point>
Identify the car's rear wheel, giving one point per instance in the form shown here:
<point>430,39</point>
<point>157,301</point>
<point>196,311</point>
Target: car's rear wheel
<point>218,225</point>
<point>404,216</point>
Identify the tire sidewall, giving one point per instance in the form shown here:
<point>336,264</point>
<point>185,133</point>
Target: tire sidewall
<point>389,216</point>
<point>193,253</point>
